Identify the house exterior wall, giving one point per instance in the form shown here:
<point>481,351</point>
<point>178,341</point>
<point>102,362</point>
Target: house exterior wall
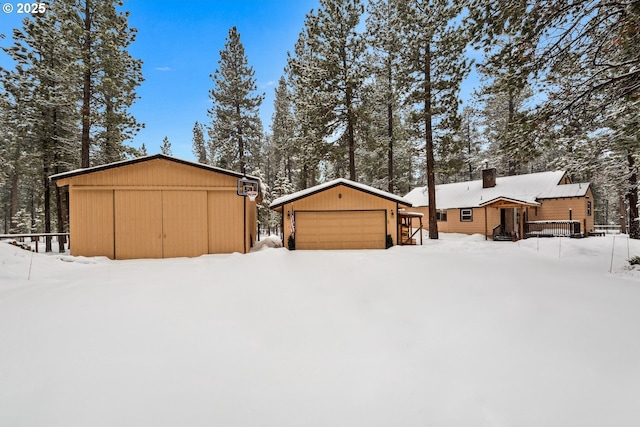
<point>549,210</point>
<point>158,208</point>
<point>558,209</point>
<point>453,224</point>
<point>341,198</point>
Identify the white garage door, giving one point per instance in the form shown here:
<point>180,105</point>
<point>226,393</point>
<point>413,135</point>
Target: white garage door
<point>341,230</point>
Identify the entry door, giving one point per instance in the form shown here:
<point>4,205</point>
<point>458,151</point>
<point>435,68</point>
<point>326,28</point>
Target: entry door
<point>184,223</point>
<point>138,224</point>
<point>510,220</point>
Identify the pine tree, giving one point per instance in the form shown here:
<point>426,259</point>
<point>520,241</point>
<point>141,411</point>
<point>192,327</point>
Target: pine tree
<point>236,127</point>
<point>283,130</point>
<point>199,146</point>
<point>508,127</point>
<point>374,154</point>
<point>75,52</point>
<point>282,186</point>
<point>109,78</point>
<point>433,47</point>
<point>338,52</point>
<point>470,135</point>
<point>165,148</point>
<point>309,108</point>
<point>585,55</point>
<point>45,60</point>
<point>384,38</point>
<point>143,150</point>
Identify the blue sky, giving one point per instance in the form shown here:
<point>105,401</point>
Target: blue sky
<point>179,43</point>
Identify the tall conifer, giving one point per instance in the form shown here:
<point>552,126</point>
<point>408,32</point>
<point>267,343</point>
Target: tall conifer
<point>433,47</point>
<point>236,127</point>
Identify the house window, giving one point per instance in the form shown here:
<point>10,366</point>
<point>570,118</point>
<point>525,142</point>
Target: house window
<point>441,215</point>
<point>589,208</point>
<point>466,215</point>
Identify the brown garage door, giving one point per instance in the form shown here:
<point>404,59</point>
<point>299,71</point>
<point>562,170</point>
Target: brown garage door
<point>341,230</point>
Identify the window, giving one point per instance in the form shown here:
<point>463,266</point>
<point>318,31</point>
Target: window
<point>441,215</point>
<point>466,215</point>
<point>588,208</point>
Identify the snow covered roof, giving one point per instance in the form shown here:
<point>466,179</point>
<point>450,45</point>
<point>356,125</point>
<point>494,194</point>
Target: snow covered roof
<point>524,188</point>
<point>340,181</point>
<point>77,172</point>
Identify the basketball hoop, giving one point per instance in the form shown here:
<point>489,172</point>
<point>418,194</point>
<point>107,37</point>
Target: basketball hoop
<point>249,188</point>
<point>252,194</point>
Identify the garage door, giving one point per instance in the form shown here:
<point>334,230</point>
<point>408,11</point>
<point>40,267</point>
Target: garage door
<point>341,230</point>
<point>157,224</point>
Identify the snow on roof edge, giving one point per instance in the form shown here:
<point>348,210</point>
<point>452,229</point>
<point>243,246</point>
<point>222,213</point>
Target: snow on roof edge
<point>329,184</point>
<point>97,168</point>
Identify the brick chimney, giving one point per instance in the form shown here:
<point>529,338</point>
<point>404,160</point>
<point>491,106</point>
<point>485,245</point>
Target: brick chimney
<point>489,178</point>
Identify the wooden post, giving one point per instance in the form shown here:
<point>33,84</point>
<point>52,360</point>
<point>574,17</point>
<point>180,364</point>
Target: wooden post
<point>521,225</point>
<point>486,224</point>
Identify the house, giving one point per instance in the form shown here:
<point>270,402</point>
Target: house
<point>536,204</point>
<point>340,214</point>
<point>157,207</point>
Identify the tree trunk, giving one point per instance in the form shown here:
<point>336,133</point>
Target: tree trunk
<point>390,124</point>
<point>431,175</point>
<point>60,217</point>
<point>623,215</point>
<point>240,142</point>
<point>47,202</point>
<point>86,94</point>
<point>14,201</point>
<point>632,196</point>
<point>469,149</point>
<point>513,163</point>
<point>351,135</point>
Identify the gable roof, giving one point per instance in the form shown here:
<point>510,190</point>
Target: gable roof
<point>526,188</point>
<point>127,162</point>
<point>336,182</point>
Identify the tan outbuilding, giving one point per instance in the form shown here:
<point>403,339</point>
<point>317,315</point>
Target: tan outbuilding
<point>157,207</point>
<point>340,214</point>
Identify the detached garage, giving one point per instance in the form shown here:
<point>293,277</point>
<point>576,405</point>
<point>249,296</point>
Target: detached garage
<point>157,207</point>
<point>340,214</point>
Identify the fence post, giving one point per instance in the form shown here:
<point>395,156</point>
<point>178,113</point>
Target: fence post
<point>560,248</point>
<point>612,250</point>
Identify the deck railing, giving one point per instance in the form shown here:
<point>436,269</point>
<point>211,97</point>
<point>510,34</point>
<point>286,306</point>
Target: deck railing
<point>565,228</point>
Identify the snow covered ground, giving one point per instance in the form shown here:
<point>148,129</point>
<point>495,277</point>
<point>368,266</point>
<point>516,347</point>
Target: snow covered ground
<point>458,332</point>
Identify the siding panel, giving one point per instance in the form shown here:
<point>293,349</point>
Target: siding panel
<point>138,224</point>
<point>226,222</point>
<point>184,223</point>
<point>91,223</point>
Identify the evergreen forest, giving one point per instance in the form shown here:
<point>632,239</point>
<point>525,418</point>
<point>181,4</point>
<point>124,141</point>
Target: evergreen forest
<point>371,92</point>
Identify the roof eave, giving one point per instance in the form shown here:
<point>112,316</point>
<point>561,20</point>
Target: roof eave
<point>99,168</point>
<point>321,188</point>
